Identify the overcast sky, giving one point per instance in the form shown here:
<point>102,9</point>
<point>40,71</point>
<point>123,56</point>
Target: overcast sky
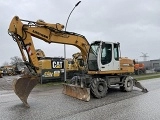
<point>133,23</point>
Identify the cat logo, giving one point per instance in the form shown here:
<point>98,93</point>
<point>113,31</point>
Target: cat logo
<point>57,64</point>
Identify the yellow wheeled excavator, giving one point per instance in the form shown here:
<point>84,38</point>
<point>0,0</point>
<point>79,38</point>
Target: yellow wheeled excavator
<point>105,68</point>
<point>78,60</point>
<point>75,65</point>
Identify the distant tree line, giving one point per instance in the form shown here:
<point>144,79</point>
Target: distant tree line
<point>14,60</point>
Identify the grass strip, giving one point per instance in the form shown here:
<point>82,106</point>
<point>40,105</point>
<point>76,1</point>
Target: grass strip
<point>148,77</point>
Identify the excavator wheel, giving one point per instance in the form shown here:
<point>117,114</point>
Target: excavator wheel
<point>23,86</point>
<point>99,88</point>
<point>127,84</point>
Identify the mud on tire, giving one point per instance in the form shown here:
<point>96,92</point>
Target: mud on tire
<point>127,84</point>
<point>98,87</point>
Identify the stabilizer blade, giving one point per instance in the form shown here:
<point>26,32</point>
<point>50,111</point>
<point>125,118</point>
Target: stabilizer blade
<point>76,92</point>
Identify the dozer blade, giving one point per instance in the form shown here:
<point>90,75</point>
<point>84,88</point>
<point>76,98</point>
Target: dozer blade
<point>23,86</point>
<point>76,91</point>
<point>139,85</point>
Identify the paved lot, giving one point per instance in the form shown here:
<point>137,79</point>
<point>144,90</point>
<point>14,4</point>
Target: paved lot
<point>51,104</point>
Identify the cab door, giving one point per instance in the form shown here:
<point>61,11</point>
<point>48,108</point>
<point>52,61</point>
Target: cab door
<point>109,58</point>
<point>116,63</point>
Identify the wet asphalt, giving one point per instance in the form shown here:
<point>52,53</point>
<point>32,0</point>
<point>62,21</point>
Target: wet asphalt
<point>51,104</point>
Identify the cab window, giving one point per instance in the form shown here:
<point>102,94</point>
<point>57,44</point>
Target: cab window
<point>116,53</point>
<point>106,55</point>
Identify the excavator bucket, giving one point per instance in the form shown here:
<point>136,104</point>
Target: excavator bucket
<point>23,86</point>
<point>76,91</point>
<point>139,85</point>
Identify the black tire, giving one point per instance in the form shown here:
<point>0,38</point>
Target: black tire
<point>98,87</point>
<point>127,84</point>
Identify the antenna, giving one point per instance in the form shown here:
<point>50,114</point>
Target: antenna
<point>144,56</point>
<point>64,44</point>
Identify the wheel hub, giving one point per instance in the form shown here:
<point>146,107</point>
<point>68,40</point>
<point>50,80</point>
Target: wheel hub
<point>100,88</point>
<point>128,84</point>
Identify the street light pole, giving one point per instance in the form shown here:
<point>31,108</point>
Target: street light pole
<point>65,45</point>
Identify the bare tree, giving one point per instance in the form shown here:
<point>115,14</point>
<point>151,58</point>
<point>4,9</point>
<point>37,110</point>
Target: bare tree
<point>15,60</point>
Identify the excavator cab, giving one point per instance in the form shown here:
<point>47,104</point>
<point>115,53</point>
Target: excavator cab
<point>103,56</point>
<point>106,69</point>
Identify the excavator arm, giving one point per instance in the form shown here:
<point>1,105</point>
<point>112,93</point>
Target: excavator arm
<point>22,32</point>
